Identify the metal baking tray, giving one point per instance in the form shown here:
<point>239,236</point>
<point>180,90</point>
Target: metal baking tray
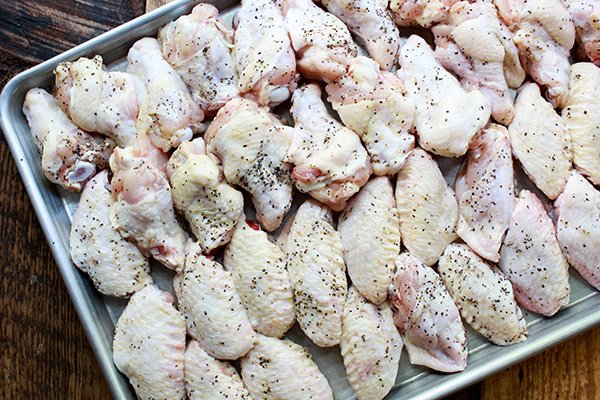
<point>98,314</point>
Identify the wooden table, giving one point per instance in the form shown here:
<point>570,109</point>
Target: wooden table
<point>44,353</point>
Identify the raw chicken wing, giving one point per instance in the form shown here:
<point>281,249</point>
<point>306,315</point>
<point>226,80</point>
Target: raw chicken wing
<point>427,317</point>
<point>149,345</point>
<point>373,104</point>
<point>251,144</point>
<point>371,22</point>
<point>582,117</point>
<point>329,161</point>
<point>420,12</point>
<point>258,269</point>
<point>483,295</point>
<point>100,101</point>
<point>212,307</point>
<point>168,115</point>
<point>586,18</point>
<point>315,262</point>
<point>447,116</point>
<point>477,47</point>
<point>281,369</point>
<point>265,61</point>
<point>70,156</point>
<point>426,207</point>
<point>578,227</point>
<point>532,260</point>
<point>116,266</point>
<point>371,346</point>
<point>485,191</point>
<point>541,141</point>
<point>207,378</point>
<point>200,48</point>
<point>370,234</point>
<point>200,193</point>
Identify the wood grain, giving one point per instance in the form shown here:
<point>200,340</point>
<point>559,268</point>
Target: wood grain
<point>152,4</point>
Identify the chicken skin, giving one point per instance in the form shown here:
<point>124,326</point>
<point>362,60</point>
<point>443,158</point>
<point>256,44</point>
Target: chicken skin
<point>427,208</point>
<point>586,18</point>
<point>541,141</point>
<point>212,307</point>
<point>143,212</point>
<point>258,269</point>
<point>373,103</point>
<point>544,34</point>
<point>199,46</point>
<point>447,116</point>
<point>168,115</point>
<point>70,156</point>
<point>322,42</point>
<point>251,144</point>
<point>281,369</point>
<point>315,262</point>
<point>329,161</point>
<point>116,266</point>
<point>483,295</point>
<point>420,12</point>
<point>474,44</point>
<point>200,193</point>
<point>208,378</point>
<point>578,227</point>
<point>149,345</point>
<point>370,234</point>
<point>532,260</point>
<point>582,117</point>
<point>427,317</point>
<point>371,346</point>
<point>485,191</point>
<point>265,60</point>
<point>100,101</point>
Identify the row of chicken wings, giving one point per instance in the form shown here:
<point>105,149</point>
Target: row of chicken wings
<point>190,126</point>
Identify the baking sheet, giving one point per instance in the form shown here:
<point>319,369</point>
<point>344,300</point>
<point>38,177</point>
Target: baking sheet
<point>54,208</point>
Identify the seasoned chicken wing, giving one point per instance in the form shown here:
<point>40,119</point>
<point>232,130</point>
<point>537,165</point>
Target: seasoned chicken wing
<point>447,116</point>
<point>541,141</point>
<point>212,307</point>
<point>322,42</point>
<point>143,211</point>
<point>149,345</point>
<point>485,190</point>
<point>200,193</point>
<point>258,269</point>
<point>532,260</point>
<point>251,144</point>
<point>371,346</point>
<point>373,103</point>
<point>200,48</point>
<point>427,317</point>
<point>578,227</point>
<point>329,161</point>
<point>370,234</point>
<point>544,33</point>
<point>586,18</point>
<point>100,101</point>
<point>427,208</point>
<point>281,369</point>
<point>265,60</point>
<point>420,12</point>
<point>474,44</point>
<point>70,156</point>
<point>315,262</point>
<point>582,117</point>
<point>483,295</point>
<point>168,114</point>
<point>207,378</point>
<point>116,266</point>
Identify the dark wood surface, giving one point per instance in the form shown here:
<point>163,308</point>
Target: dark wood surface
<point>44,353</point>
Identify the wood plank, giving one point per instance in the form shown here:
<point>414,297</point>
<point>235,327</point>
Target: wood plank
<point>152,4</point>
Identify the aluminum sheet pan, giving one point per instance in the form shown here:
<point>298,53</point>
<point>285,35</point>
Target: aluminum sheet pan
<point>54,208</point>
